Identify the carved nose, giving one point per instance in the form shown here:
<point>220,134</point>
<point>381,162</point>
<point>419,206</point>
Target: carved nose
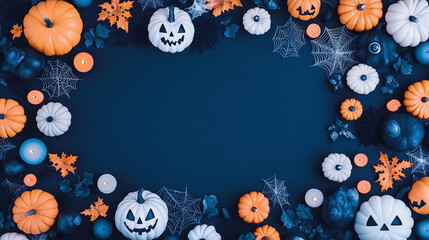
<point>171,34</point>
<point>384,228</point>
<point>139,221</point>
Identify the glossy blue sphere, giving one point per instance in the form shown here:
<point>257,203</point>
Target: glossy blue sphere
<point>82,3</point>
<point>422,229</point>
<point>102,229</point>
<point>171,237</point>
<point>422,53</point>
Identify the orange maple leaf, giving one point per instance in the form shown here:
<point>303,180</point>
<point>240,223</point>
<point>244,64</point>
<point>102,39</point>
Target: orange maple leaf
<point>116,12</point>
<point>95,210</point>
<point>220,6</point>
<point>64,164</point>
<point>390,170</point>
<point>16,31</point>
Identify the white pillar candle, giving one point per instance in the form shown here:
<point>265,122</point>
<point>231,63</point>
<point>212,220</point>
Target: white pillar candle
<point>107,183</point>
<point>314,198</point>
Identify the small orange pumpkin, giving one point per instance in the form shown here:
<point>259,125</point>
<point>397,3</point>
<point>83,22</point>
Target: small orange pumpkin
<point>351,109</point>
<point>360,15</point>
<point>35,211</point>
<point>266,233</point>
<point>53,27</point>
<point>12,118</point>
<point>304,9</point>
<point>419,196</point>
<point>253,207</point>
<point>417,99</point>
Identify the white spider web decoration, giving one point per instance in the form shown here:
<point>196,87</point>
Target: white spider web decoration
<point>288,39</point>
<point>334,50</point>
<point>58,79</point>
<point>16,189</point>
<point>150,3</point>
<point>183,210</point>
<point>276,191</point>
<point>5,146</point>
<point>419,159</point>
<point>197,8</point>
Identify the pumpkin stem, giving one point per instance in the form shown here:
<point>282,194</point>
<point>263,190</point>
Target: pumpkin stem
<point>1,116</point>
<point>48,22</point>
<point>265,238</point>
<point>255,209</point>
<point>352,108</point>
<point>256,18</point>
<point>49,119</point>
<point>30,213</point>
<point>425,99</point>
<point>171,15</point>
<point>402,192</point>
<point>140,199</point>
<point>363,77</point>
<point>361,7</point>
<point>413,19</point>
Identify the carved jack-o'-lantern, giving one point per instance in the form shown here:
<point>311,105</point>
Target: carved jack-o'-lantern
<point>142,215</point>
<point>304,9</point>
<point>171,29</point>
<point>419,196</point>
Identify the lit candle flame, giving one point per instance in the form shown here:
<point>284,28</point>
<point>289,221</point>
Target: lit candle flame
<point>314,199</point>
<point>105,183</point>
<point>32,151</point>
<point>83,61</point>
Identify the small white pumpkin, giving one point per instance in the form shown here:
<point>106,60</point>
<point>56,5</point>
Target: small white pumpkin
<point>384,218</point>
<point>337,167</point>
<point>171,29</point>
<point>408,22</point>
<point>204,232</point>
<point>13,236</point>
<point>362,79</point>
<point>53,119</point>
<point>257,21</point>
<point>142,215</point>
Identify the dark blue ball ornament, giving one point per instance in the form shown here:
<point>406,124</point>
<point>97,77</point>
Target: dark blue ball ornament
<point>403,132</point>
<point>171,237</point>
<point>13,167</point>
<point>68,222</point>
<point>422,53</point>
<point>422,229</point>
<point>82,3</point>
<point>296,237</point>
<point>102,229</point>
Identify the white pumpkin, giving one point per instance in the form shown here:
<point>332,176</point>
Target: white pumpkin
<point>171,29</point>
<point>142,215</point>
<point>13,236</point>
<point>408,22</point>
<point>362,79</point>
<point>204,232</point>
<point>383,218</point>
<point>257,21</point>
<point>337,167</point>
<point>53,119</point>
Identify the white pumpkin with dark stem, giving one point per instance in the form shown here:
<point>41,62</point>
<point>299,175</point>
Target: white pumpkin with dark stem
<point>53,119</point>
<point>13,236</point>
<point>337,167</point>
<point>204,232</point>
<point>171,29</point>
<point>362,79</point>
<point>142,215</point>
<point>257,21</point>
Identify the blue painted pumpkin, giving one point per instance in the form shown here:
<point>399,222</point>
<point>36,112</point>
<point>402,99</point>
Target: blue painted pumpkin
<point>403,132</point>
<point>102,228</point>
<point>26,63</point>
<point>68,222</point>
<point>340,208</point>
<point>296,237</point>
<point>376,48</point>
<point>422,229</point>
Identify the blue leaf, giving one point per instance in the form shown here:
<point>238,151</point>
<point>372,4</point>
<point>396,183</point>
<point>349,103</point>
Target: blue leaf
<point>303,212</point>
<point>390,84</point>
<point>289,219</point>
<point>247,236</point>
<point>231,30</point>
<point>99,43</point>
<point>209,206</point>
<point>403,65</point>
<point>336,82</point>
<point>64,185</point>
<point>89,37</point>
<point>225,21</point>
<point>3,82</point>
<point>101,31</point>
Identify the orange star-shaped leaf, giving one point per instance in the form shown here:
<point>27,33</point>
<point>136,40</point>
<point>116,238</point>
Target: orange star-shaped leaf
<point>64,164</point>
<point>390,170</point>
<point>16,31</point>
<point>220,6</point>
<point>95,210</point>
<point>116,12</point>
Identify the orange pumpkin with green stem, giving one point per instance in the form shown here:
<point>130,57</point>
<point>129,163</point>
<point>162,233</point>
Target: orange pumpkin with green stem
<point>266,233</point>
<point>351,109</point>
<point>360,15</point>
<point>417,99</point>
<point>12,118</point>
<point>253,207</point>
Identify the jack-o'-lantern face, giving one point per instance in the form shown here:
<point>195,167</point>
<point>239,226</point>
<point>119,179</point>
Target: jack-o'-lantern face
<point>419,196</point>
<point>304,9</point>
<point>140,226</point>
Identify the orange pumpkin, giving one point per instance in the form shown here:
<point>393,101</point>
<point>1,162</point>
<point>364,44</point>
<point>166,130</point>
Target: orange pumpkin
<point>419,196</point>
<point>253,207</point>
<point>53,27</point>
<point>35,211</point>
<point>304,9</point>
<point>360,15</point>
<point>12,118</point>
<point>417,99</point>
<point>351,109</point>
<point>266,233</point>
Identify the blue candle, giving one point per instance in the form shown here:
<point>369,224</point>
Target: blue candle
<point>33,151</point>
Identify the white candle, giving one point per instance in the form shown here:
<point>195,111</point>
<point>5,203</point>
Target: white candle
<point>314,198</point>
<point>107,183</point>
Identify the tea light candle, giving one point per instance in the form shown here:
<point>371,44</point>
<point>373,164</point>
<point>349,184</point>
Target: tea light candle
<point>364,186</point>
<point>393,105</point>
<point>33,151</point>
<point>314,198</point>
<point>83,62</point>
<point>35,97</point>
<point>313,30</point>
<point>30,180</point>
<point>107,183</point>
<point>360,160</point>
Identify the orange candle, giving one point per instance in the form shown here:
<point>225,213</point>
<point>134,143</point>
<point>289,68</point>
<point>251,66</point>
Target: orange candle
<point>83,62</point>
<point>30,180</point>
<point>393,105</point>
<point>313,30</point>
<point>360,160</point>
<point>35,97</point>
<point>364,186</point>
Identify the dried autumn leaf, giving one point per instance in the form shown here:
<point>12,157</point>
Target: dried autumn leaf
<point>390,170</point>
<point>220,6</point>
<point>95,210</point>
<point>16,31</point>
<point>116,12</point>
<point>64,164</point>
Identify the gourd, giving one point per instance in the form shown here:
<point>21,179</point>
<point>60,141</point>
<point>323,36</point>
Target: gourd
<point>253,207</point>
<point>402,132</point>
<point>360,15</point>
<point>419,196</point>
<point>339,209</point>
<point>257,21</point>
<point>351,109</point>
<point>417,99</point>
<point>266,233</point>
<point>362,79</point>
<point>376,48</point>
<point>204,232</point>
<point>53,119</point>
<point>12,118</point>
<point>68,222</point>
<point>304,9</point>
<point>337,167</point>
<point>26,63</point>
<point>13,236</point>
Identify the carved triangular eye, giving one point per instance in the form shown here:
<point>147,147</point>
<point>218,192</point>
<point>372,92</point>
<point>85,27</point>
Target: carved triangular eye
<point>130,215</point>
<point>396,222</point>
<point>149,215</point>
<point>312,7</point>
<point>163,29</point>
<point>371,222</point>
<point>181,29</point>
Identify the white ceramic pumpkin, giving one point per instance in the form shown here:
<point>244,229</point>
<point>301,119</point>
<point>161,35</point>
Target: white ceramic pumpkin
<point>257,21</point>
<point>13,236</point>
<point>204,232</point>
<point>362,79</point>
<point>337,167</point>
<point>53,119</point>
<point>142,215</point>
<point>408,22</point>
<point>171,29</point>
<point>384,218</point>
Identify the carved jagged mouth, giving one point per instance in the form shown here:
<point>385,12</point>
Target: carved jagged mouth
<point>178,42</point>
<point>306,12</point>
<point>140,231</point>
<point>417,205</point>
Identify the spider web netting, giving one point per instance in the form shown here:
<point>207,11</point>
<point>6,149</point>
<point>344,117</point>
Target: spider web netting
<point>276,191</point>
<point>5,146</point>
<point>15,188</point>
<point>288,39</point>
<point>197,8</point>
<point>58,79</point>
<point>150,3</point>
<point>419,159</point>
